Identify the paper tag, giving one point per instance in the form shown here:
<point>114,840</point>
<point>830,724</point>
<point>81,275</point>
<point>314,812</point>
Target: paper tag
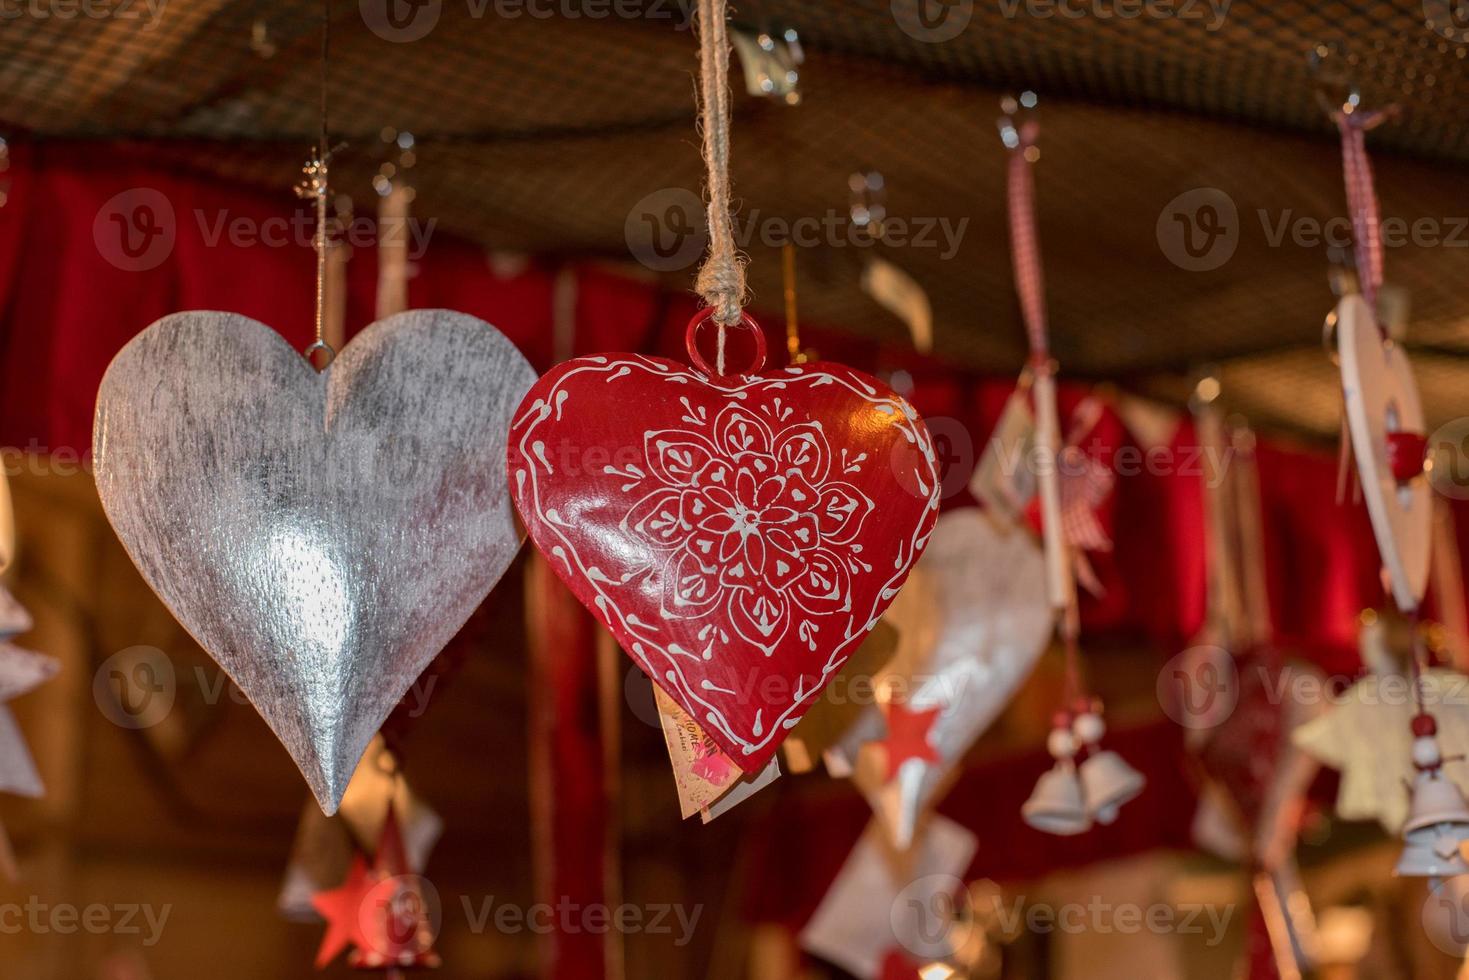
<point>841,702</point>
<point>702,772</point>
<point>742,791</point>
<point>1004,481</point>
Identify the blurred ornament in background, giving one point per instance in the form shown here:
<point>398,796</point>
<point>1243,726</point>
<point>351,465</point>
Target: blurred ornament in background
<point>1057,805</point>
<point>386,914</point>
<point>972,622</point>
<point>911,902</point>
<point>1437,826</point>
<point>21,671</point>
<point>822,733</point>
<point>1366,735</point>
<point>771,60</point>
<point>323,848</point>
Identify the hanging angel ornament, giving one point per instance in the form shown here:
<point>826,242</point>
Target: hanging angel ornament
<point>738,531</point>
<point>321,532</point>
<point>1367,734</point>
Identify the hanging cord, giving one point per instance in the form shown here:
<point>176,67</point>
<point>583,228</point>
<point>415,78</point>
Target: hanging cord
<point>1073,686</point>
<point>793,329</point>
<point>1362,200</point>
<point>315,186</point>
<point>1024,242</point>
<point>1417,657</point>
<point>1020,141</point>
<point>721,280</point>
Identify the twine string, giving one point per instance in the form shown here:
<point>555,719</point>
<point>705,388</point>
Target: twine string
<point>315,186</point>
<point>721,279</point>
<point>322,153</point>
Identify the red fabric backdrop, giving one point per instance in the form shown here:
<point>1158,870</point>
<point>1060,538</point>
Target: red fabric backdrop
<point>66,307</point>
<point>69,301</point>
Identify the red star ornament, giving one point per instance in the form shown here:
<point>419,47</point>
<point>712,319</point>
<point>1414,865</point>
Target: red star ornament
<point>908,736</point>
<point>341,909</point>
<point>382,911</point>
<point>397,923</point>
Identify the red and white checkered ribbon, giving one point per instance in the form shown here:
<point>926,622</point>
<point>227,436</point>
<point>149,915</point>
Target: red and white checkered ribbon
<point>1362,197</point>
<point>1084,481</point>
<point>1025,245</point>
<point>1085,484</point>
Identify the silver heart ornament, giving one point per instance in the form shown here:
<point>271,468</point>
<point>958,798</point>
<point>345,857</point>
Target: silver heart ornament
<point>321,535</point>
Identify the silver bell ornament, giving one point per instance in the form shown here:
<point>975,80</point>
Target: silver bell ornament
<point>1431,853</point>
<point>1107,780</point>
<point>1438,817</point>
<point>1057,805</point>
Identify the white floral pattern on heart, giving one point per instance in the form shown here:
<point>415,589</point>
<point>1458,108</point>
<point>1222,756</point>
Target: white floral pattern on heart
<point>618,518</point>
<point>746,520</point>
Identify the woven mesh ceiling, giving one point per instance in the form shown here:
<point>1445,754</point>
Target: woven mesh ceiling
<point>543,125</point>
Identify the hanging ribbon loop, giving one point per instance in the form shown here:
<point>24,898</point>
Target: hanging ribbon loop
<point>1024,240</point>
<point>1362,199</point>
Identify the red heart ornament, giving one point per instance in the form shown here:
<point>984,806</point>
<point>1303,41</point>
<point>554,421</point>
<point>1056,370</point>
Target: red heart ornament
<point>739,535</point>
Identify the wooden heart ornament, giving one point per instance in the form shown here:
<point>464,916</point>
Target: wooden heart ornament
<point>738,534</point>
<point>321,535</point>
<point>1381,404</point>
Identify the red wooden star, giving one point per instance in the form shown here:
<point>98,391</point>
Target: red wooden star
<point>908,736</point>
<point>342,910</point>
<point>380,911</point>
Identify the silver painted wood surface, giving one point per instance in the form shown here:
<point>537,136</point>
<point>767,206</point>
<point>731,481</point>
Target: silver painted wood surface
<point>322,536</point>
